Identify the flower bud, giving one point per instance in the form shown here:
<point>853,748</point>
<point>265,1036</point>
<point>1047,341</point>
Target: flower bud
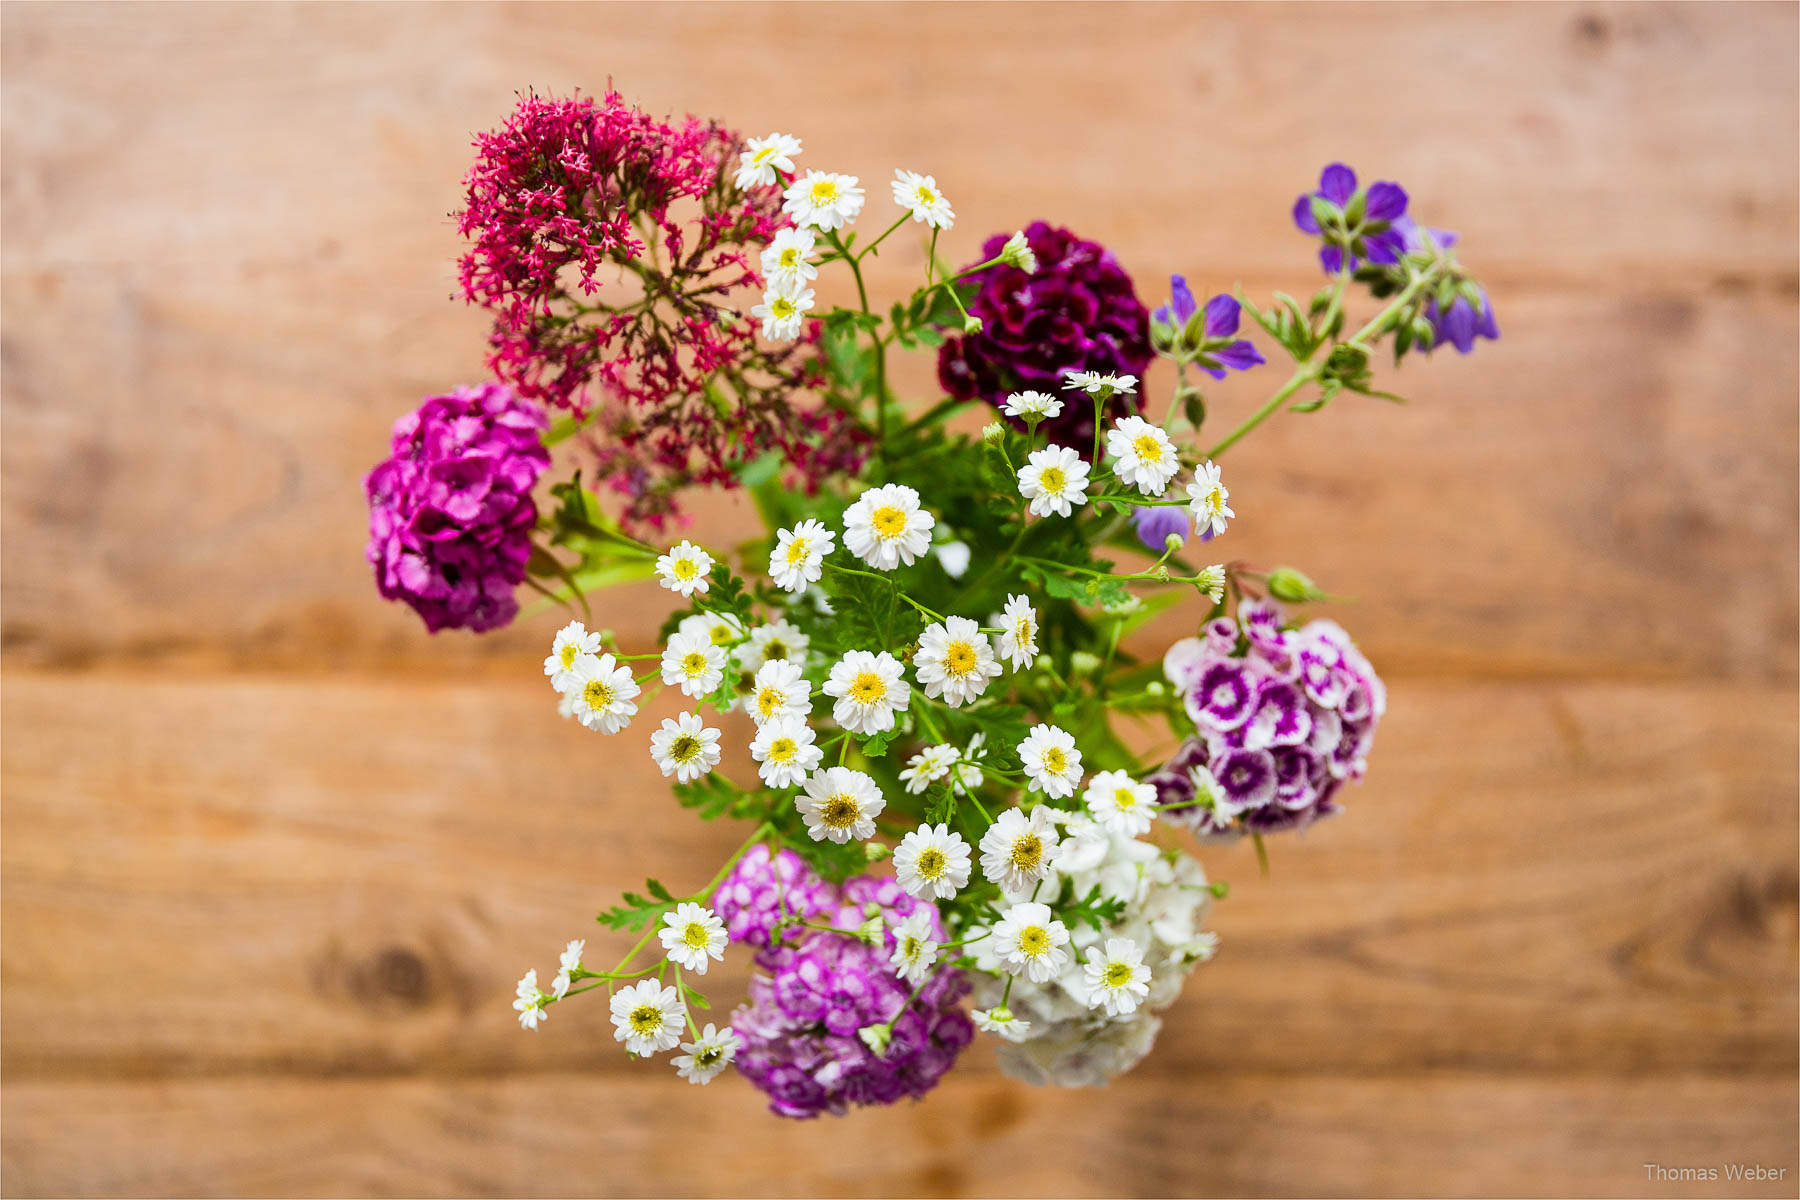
<point>869,932</point>
<point>1083,663</point>
<point>876,1037</point>
<point>1211,583</point>
<point>1017,252</point>
<point>1154,688</point>
<point>992,432</point>
<point>875,851</point>
<point>971,325</point>
<point>1287,584</point>
<point>1174,542</point>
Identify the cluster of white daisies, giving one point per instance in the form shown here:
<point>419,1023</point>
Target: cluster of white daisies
<point>828,202</point>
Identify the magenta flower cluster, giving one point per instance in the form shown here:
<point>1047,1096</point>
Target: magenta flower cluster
<point>450,510</point>
<point>1077,312</point>
<point>1285,718</point>
<point>817,989</point>
<point>569,196</point>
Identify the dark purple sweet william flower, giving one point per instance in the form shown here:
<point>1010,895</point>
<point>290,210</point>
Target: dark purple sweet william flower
<point>1356,225</point>
<point>1077,312</point>
<point>450,509</point>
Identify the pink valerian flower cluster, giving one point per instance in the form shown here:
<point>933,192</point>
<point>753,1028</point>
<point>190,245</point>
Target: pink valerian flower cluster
<point>450,510</point>
<point>569,196</point>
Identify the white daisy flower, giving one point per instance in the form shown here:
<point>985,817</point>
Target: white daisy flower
<point>1052,762</point>
<point>1032,406</point>
<point>1095,384</point>
<point>914,951</point>
<point>968,767</point>
<point>692,663</point>
<point>783,309</point>
<point>954,661</point>
<point>571,959</point>
<point>1018,632</point>
<point>685,748</point>
<point>784,751</point>
<point>1121,804</point>
<point>1001,1023</point>
<point>869,690</point>
<point>1142,455</point>
<point>823,200</point>
<point>530,1003</point>
<point>565,705</point>
<point>886,527</point>
<point>572,641</point>
<point>1054,479</point>
<point>785,259</point>
<point>927,767</point>
<point>1203,947</point>
<point>1017,252</point>
<point>1117,978</point>
<point>932,863</point>
<point>1031,942</point>
<point>646,1016</point>
<point>1017,850</point>
<point>762,157</point>
<point>685,568</point>
<point>799,555</point>
<point>840,804</point>
<point>1207,496</point>
<point>605,693</point>
<point>722,629</point>
<point>778,690</point>
<point>708,1055</point>
<point>1209,793</point>
<point>778,641</point>
<point>692,935</point>
<point>919,195</point>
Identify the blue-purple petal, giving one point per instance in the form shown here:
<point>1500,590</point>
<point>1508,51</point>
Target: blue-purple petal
<point>1221,316</point>
<point>1156,522</point>
<point>1385,247</point>
<point>1337,184</point>
<point>1303,214</point>
<point>1332,259</point>
<point>1181,299</point>
<point>1486,326</point>
<point>1240,355</point>
<point>1387,201</point>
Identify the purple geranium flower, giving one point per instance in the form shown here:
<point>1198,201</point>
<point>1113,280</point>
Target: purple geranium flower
<point>1209,341</point>
<point>1156,522</point>
<point>1355,225</point>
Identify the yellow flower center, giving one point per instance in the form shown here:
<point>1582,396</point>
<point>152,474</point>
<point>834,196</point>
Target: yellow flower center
<point>841,810</point>
<point>889,522</point>
<point>1055,761</point>
<point>1052,479</point>
<point>1147,448</point>
<point>1022,630</point>
<point>1034,940</point>
<point>926,195</point>
<point>782,750</point>
<point>775,649</point>
<point>781,308</point>
<point>959,658</point>
<point>768,700</point>
<point>868,688</point>
<point>685,569</point>
<point>706,1056</point>
<point>684,748</point>
<point>930,863</point>
<point>597,693</point>
<point>568,654</point>
<point>696,935</point>
<point>911,947</point>
<point>1124,798</point>
<point>796,552</point>
<point>764,155</point>
<point>824,192</point>
<point>1215,500</point>
<point>1027,852</point>
<point>694,663</point>
<point>1117,975</point>
<point>721,634</point>
<point>790,257</point>
<point>646,1019</point>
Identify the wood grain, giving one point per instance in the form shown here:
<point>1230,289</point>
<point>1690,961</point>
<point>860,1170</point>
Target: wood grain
<point>271,859</point>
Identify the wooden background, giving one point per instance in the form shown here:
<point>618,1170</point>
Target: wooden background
<point>273,858</point>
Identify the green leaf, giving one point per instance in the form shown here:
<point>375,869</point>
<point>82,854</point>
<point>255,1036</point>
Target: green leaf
<point>1092,910</point>
<point>635,911</point>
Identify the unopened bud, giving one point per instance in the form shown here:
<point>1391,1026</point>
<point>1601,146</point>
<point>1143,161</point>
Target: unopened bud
<point>971,325</point>
<point>875,851</point>
<point>869,933</point>
<point>876,1037</point>
<point>1287,584</point>
<point>992,432</point>
<point>1211,582</point>
<point>1083,663</point>
<point>1154,688</point>
<point>1173,542</point>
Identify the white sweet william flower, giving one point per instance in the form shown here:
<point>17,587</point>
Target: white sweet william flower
<point>1096,384</point>
<point>694,664</point>
<point>784,751</point>
<point>954,661</point>
<point>692,936</point>
<point>799,555</point>
<point>886,527</point>
<point>1001,1023</point>
<point>1018,253</point>
<point>1031,942</point>
<point>932,863</point>
<point>914,951</point>
<point>605,693</point>
<point>1116,977</point>
<point>927,767</point>
<point>1017,850</point>
<point>762,157</point>
<point>1207,496</point>
<point>685,568</point>
<point>839,804</point>
<point>572,641</point>
<point>1052,762</point>
<point>783,309</point>
<point>570,960</point>
<point>530,1003</point>
<point>919,195</point>
<point>1055,480</point>
<point>778,691</point>
<point>646,1016</point>
<point>1121,804</point>
<point>1030,405</point>
<point>785,259</point>
<point>685,748</point>
<point>711,1053</point>
<point>1018,632</point>
<point>1142,455</point>
<point>823,200</point>
<point>869,690</point>
<point>778,641</point>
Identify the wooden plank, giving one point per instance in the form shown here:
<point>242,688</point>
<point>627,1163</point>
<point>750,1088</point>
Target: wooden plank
<point>1535,877</point>
<point>570,1134</point>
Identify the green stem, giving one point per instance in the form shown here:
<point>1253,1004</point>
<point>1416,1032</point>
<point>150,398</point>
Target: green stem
<point>1303,375</point>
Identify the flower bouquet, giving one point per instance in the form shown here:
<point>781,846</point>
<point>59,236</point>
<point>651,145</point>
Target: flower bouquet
<point>950,827</point>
